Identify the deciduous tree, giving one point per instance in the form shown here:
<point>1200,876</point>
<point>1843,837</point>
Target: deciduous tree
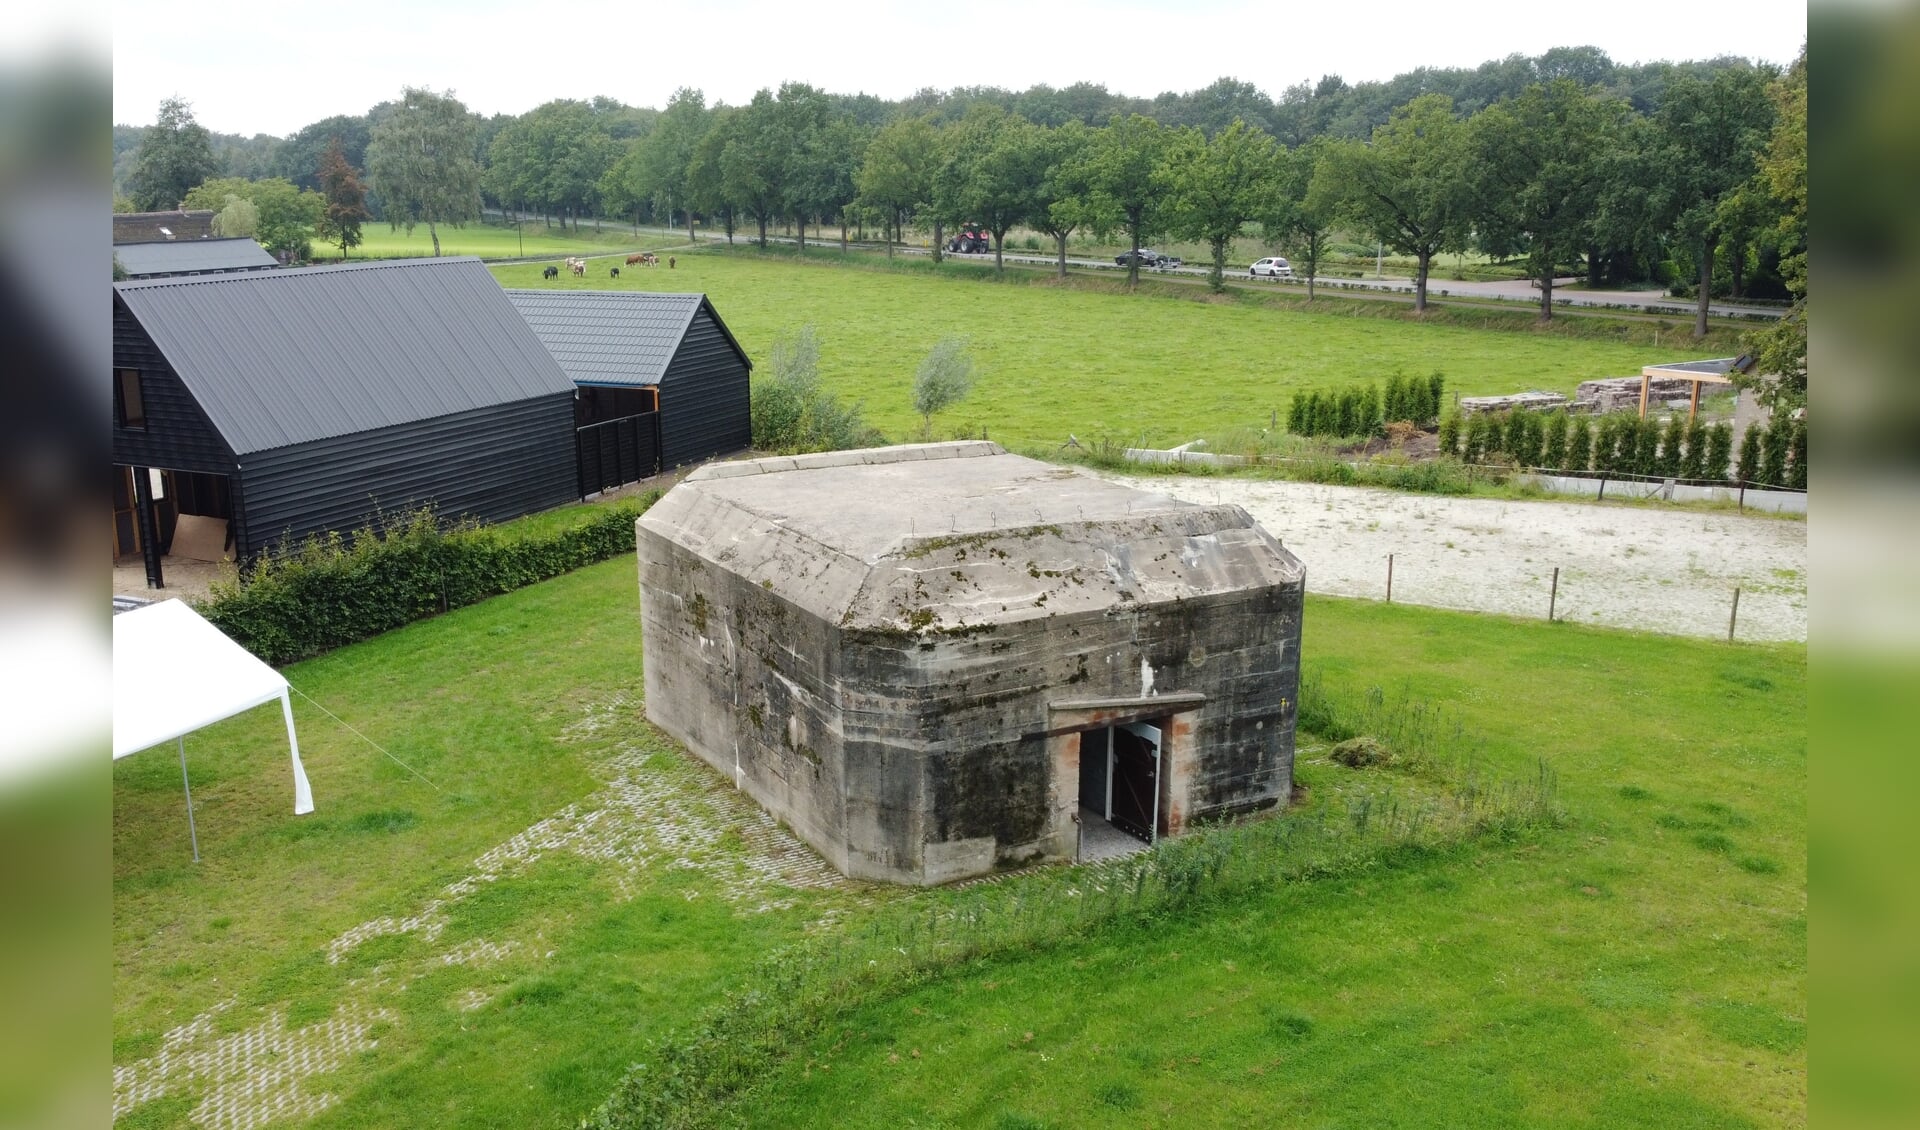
<point>1216,187</point>
<point>1538,164</point>
<point>1304,209</point>
<point>1408,187</point>
<point>896,173</point>
<point>1126,188</point>
<point>286,215</point>
<point>421,160</point>
<point>992,167</point>
<point>346,200</point>
<point>1710,135</point>
<point>176,153</point>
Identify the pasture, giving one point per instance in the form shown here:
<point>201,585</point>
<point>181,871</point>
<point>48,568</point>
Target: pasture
<point>496,946</point>
<point>488,240</point>
<point>1167,365</point>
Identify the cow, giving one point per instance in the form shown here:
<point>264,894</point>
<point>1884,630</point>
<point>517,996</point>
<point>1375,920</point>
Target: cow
<point>579,267</point>
<point>649,259</point>
<point>636,257</point>
<point>550,273</point>
<point>670,262</point>
<point>615,273</point>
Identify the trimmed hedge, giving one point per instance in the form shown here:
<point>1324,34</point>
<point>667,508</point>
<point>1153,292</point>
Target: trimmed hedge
<point>326,592</point>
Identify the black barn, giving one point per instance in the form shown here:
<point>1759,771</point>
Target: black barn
<point>662,381</point>
<point>296,402</point>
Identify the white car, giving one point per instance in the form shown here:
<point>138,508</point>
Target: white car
<point>1272,267</point>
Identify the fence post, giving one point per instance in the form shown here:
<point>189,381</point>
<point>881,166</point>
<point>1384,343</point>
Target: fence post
<point>1743,499</point>
<point>1553,595</point>
<point>1601,497</point>
<point>1735,614</point>
<point>1389,578</point>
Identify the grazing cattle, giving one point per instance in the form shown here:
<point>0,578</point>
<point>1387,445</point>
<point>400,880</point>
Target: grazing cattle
<point>550,273</point>
<point>636,258</point>
<point>579,267</point>
<point>670,262</point>
<point>616,273</point>
<point>649,259</point>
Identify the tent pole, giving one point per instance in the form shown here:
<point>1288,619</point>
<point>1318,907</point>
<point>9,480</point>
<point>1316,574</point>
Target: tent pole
<point>192,834</point>
<point>302,792</point>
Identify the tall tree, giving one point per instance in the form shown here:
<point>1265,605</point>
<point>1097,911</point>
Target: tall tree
<point>1062,205</point>
<point>896,174</point>
<point>1126,189</point>
<point>806,175</point>
<point>1780,350</point>
<point>1304,209</point>
<point>990,173</point>
<point>176,153</point>
<point>1216,187</point>
<point>667,152</point>
<point>298,158</point>
<point>346,207</point>
<point>1539,174</point>
<point>1711,131</point>
<point>753,165</point>
<point>421,159</point>
<point>1409,187</point>
<point>707,186</point>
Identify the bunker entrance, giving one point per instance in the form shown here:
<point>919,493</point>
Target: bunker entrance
<point>1119,789</point>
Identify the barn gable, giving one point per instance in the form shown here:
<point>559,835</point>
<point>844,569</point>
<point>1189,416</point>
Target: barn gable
<point>672,347</point>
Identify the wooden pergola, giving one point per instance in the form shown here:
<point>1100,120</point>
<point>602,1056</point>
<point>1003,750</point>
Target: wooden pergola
<point>1715,372</point>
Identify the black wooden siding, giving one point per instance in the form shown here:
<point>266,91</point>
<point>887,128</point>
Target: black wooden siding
<point>492,464</point>
<point>178,435</point>
<point>704,397</point>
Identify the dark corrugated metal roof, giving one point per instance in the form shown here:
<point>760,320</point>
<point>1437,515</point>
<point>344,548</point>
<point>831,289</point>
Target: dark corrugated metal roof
<point>284,357</point>
<point>614,337</point>
<point>187,256</point>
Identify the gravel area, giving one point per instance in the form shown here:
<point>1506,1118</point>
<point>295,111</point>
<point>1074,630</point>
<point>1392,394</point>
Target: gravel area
<point>1667,570</point>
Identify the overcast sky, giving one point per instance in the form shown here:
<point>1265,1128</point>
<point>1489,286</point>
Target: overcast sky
<point>249,67</point>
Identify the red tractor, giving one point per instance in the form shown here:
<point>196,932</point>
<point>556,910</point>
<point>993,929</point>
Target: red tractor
<point>971,240</point>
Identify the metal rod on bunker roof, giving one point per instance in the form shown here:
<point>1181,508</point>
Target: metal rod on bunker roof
<point>1553,595</point>
<point>1734,615</point>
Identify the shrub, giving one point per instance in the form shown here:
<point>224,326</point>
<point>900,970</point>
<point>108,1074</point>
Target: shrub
<point>1476,439</point>
<point>1693,464</point>
<point>944,378</point>
<point>1367,411</point>
<point>1430,408</point>
<point>1672,437</point>
<point>1553,440</point>
<point>1774,447</point>
<point>1797,478</point>
<point>790,412</point>
<point>333,590</point>
<point>1750,455</point>
<point>1719,461</point>
<point>1646,446</point>
<point>1579,444</point>
<point>1494,435</point>
<point>1450,434</point>
<point>1525,437</point>
<point>1297,413</point>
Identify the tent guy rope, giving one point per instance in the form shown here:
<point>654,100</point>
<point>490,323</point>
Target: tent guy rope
<point>366,739</point>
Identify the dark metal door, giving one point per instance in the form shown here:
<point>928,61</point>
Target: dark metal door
<point>1136,780</point>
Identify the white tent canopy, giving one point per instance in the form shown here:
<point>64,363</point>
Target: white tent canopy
<point>174,673</point>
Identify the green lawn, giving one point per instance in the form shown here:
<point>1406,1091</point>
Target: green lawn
<point>491,240</point>
<point>1166,365</point>
<point>1643,965</point>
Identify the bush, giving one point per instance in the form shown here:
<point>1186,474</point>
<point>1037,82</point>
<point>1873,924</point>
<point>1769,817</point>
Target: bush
<point>1693,464</point>
<point>1553,440</point>
<point>790,413</point>
<point>1525,437</point>
<point>1430,407</point>
<point>1672,438</point>
<point>944,378</point>
<point>1773,451</point>
<point>1750,455</point>
<point>1646,446</point>
<point>1478,432</point>
<point>1450,434</point>
<point>1719,461</point>
<point>330,591</point>
<point>1579,444</point>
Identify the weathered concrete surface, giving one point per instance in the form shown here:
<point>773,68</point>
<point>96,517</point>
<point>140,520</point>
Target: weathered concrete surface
<point>872,644</point>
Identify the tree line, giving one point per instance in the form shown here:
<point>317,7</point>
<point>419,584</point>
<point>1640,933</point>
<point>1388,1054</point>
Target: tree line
<point>1683,173</point>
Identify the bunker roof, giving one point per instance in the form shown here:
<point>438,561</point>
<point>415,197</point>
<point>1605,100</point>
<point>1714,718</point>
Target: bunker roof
<point>953,536</point>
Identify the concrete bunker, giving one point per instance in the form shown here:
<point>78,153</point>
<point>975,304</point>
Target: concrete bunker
<point>937,660</point>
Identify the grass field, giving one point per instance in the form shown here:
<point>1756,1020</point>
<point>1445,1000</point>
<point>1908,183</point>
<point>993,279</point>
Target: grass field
<point>476,952</point>
<point>1166,365</point>
<point>491,240</point>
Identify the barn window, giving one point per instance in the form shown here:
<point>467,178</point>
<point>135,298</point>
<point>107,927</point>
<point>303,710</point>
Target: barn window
<point>129,407</point>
